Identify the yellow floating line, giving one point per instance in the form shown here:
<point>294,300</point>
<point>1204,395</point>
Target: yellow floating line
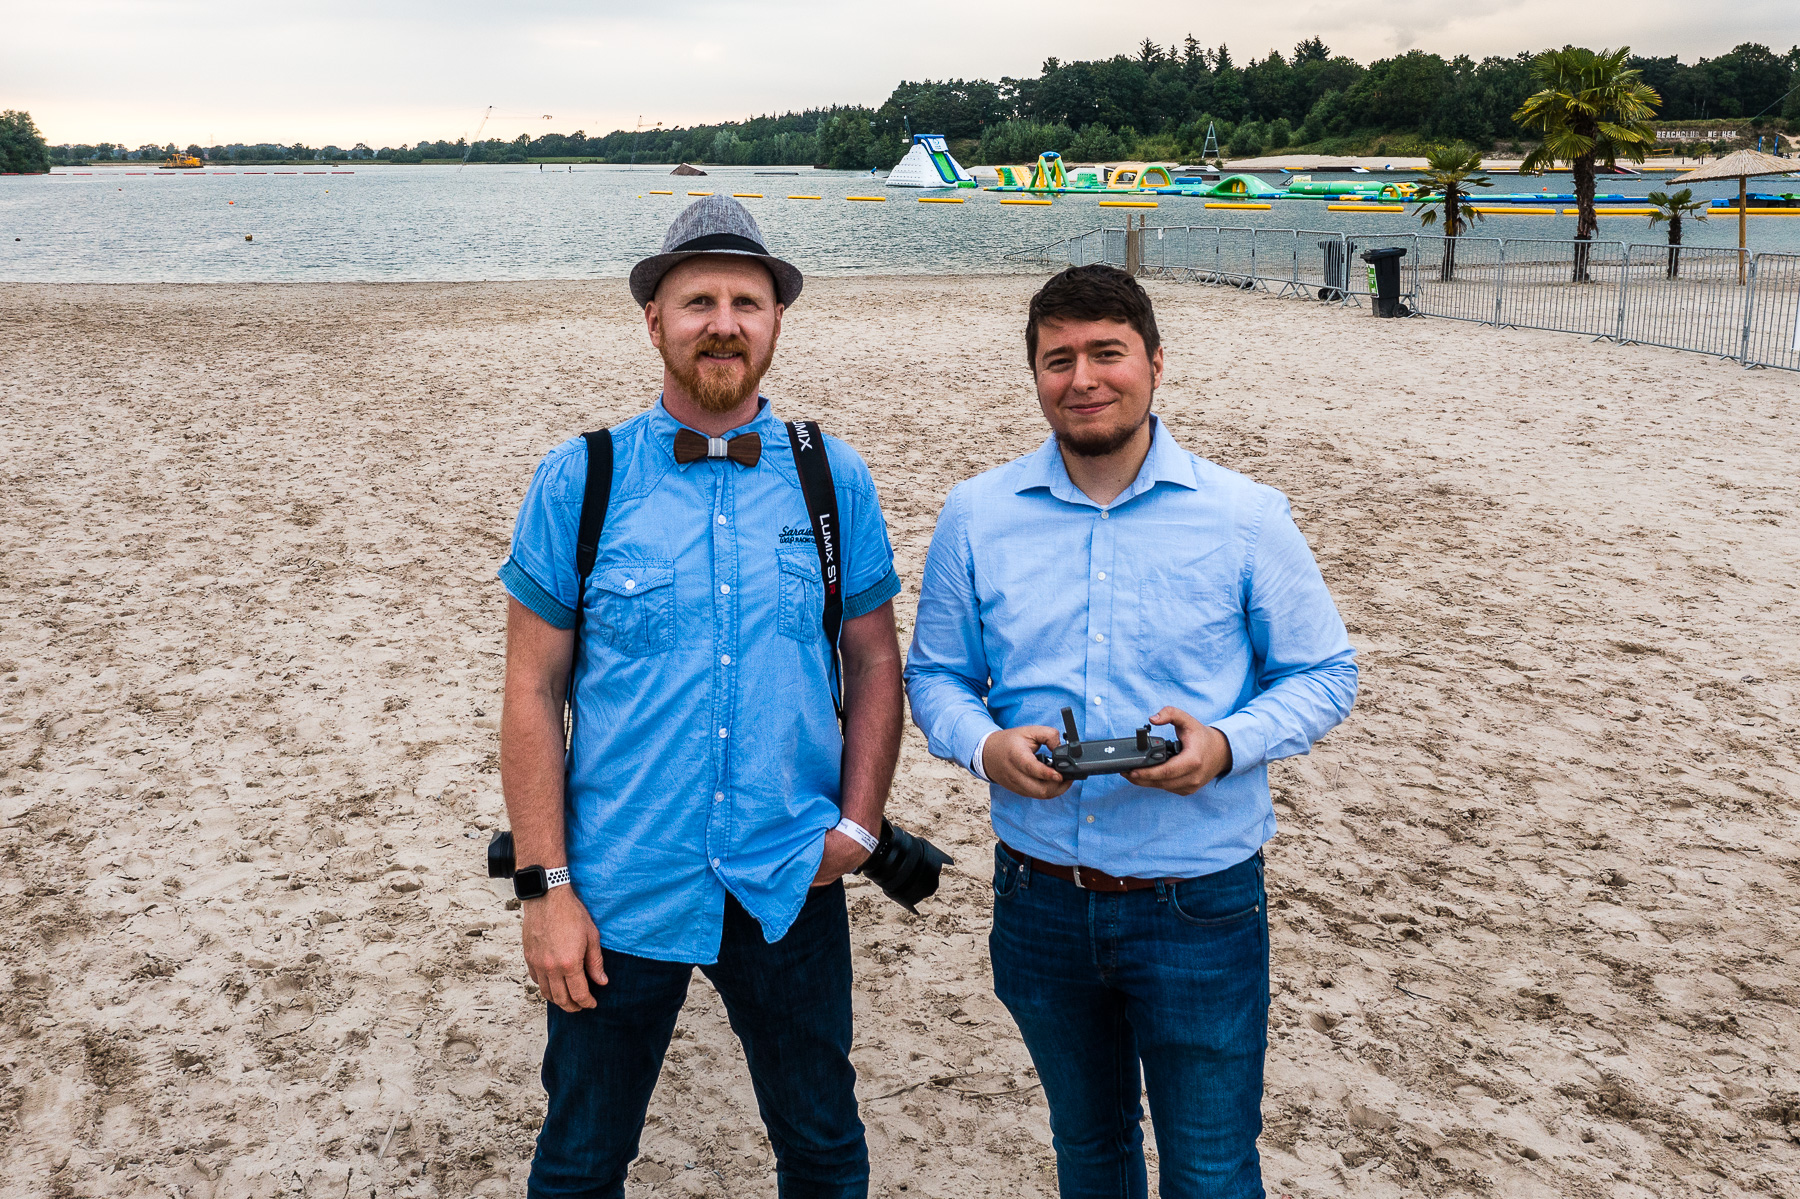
<point>1025,201</point>
<point>746,195</point>
<point>1132,204</point>
<point>871,199</point>
<point>1514,210</point>
<point>1214,204</point>
<point>1613,211</point>
<point>1755,211</point>
<point>806,197</point>
<point>940,199</point>
<point>656,193</point>
<point>1365,208</point>
<point>699,193</point>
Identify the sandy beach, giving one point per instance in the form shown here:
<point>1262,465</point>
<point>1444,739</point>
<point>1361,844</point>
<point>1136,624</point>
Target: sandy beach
<point>1534,905</point>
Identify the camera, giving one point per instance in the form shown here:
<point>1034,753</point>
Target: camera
<point>905,866</point>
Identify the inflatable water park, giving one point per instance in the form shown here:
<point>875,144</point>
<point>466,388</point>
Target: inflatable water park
<point>1051,176</point>
<point>928,164</point>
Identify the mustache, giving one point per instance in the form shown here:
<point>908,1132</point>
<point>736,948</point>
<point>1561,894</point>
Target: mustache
<point>711,344</point>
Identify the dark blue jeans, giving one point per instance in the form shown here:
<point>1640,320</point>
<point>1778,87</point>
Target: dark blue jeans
<point>1175,980</point>
<point>789,1004</point>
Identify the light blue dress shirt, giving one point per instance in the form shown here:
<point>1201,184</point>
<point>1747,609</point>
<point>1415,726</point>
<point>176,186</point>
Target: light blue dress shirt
<point>1193,589</point>
<point>706,751</point>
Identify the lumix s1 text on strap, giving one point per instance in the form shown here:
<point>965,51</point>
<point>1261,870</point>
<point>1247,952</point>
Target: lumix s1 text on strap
<point>808,443</point>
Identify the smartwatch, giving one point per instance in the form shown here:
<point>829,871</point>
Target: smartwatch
<point>534,882</point>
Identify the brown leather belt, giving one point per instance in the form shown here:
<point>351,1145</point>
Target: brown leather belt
<point>1085,877</point>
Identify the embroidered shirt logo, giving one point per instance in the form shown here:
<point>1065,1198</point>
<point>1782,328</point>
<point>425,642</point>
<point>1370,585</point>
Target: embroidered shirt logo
<point>796,536</point>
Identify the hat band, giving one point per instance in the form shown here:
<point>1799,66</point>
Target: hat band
<point>719,241</point>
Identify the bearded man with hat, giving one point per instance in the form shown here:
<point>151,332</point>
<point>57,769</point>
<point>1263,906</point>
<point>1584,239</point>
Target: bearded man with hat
<point>706,802</point>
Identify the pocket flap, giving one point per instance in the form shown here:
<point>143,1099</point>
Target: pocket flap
<point>801,564</point>
<point>632,578</point>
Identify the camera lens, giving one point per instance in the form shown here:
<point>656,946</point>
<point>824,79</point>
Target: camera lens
<point>906,867</point>
<point>500,855</point>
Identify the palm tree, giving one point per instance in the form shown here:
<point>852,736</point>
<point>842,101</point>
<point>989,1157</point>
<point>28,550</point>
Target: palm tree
<point>1450,173</point>
<point>1589,108</point>
<point>1671,209</point>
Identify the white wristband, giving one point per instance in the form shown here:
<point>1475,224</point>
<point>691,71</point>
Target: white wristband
<point>858,834</point>
<point>976,766</point>
<point>556,876</point>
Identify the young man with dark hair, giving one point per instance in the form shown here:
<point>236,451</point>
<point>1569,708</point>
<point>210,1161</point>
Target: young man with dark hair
<point>706,806</point>
<point>1114,573</point>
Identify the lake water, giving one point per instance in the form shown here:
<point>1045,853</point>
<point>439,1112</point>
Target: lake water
<point>396,223</point>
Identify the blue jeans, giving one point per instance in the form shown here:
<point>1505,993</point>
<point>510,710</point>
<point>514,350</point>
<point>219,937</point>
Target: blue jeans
<point>789,1004</point>
<point>1175,980</point>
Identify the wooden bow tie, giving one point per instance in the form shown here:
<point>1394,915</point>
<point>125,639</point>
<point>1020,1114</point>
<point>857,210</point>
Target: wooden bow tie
<point>745,449</point>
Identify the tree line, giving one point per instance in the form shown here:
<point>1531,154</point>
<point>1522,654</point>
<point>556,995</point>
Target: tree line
<point>1158,102</point>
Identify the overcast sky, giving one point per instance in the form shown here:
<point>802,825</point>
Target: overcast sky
<point>391,71</point>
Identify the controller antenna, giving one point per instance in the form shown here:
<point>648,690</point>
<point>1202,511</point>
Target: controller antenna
<point>1143,738</point>
<point>1074,738</point>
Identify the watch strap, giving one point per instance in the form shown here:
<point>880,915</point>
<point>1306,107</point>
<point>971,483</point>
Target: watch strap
<point>556,876</point>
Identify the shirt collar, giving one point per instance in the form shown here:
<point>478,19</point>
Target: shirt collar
<point>1166,462</point>
<point>664,426</point>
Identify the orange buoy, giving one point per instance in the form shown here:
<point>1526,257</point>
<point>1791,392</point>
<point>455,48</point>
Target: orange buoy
<point>246,237</point>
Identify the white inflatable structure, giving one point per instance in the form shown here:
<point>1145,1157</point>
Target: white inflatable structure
<point>928,164</point>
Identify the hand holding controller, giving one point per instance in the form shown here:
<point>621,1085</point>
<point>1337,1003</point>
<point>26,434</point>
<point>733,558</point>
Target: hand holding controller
<point>1078,759</point>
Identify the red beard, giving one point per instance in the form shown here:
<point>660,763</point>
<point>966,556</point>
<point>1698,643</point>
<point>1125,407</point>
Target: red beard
<point>718,387</point>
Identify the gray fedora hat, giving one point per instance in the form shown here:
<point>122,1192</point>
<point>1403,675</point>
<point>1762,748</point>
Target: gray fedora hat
<point>713,225</point>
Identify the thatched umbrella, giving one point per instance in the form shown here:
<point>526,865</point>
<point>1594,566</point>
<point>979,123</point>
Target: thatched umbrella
<point>1742,165</point>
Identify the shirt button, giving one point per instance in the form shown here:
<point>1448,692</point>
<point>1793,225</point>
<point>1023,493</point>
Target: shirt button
<point>721,519</point>
<point>1105,515</point>
<point>1099,636</point>
<point>718,795</point>
<point>724,659</point>
<point>630,583</point>
<point>722,731</point>
<point>1096,700</point>
<point>1103,574</point>
<point>1090,818</point>
<point>724,588</point>
<point>715,863</point>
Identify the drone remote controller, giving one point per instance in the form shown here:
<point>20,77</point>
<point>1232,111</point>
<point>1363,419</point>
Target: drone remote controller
<point>1078,759</point>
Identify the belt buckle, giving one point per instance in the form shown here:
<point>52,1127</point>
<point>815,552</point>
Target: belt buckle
<point>1078,881</point>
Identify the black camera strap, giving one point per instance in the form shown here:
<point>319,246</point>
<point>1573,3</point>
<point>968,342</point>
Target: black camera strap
<point>808,444</point>
<point>596,497</point>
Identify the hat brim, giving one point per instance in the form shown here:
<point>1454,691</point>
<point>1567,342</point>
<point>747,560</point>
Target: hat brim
<point>647,274</point>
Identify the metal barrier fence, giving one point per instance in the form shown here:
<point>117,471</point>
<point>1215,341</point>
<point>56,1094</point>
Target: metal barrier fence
<point>1772,312</point>
<point>1460,278</point>
<point>1684,298</point>
<point>1565,286</point>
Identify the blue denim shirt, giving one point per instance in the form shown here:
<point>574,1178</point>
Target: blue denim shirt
<point>706,751</point>
<point>1192,589</point>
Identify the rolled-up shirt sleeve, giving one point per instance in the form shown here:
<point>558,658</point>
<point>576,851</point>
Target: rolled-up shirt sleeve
<point>947,668</point>
<point>1305,668</point>
<point>869,576</point>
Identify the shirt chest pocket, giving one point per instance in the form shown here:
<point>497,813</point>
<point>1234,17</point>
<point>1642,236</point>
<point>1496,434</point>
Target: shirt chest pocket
<point>1188,628</point>
<point>802,595</point>
<point>634,606</point>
